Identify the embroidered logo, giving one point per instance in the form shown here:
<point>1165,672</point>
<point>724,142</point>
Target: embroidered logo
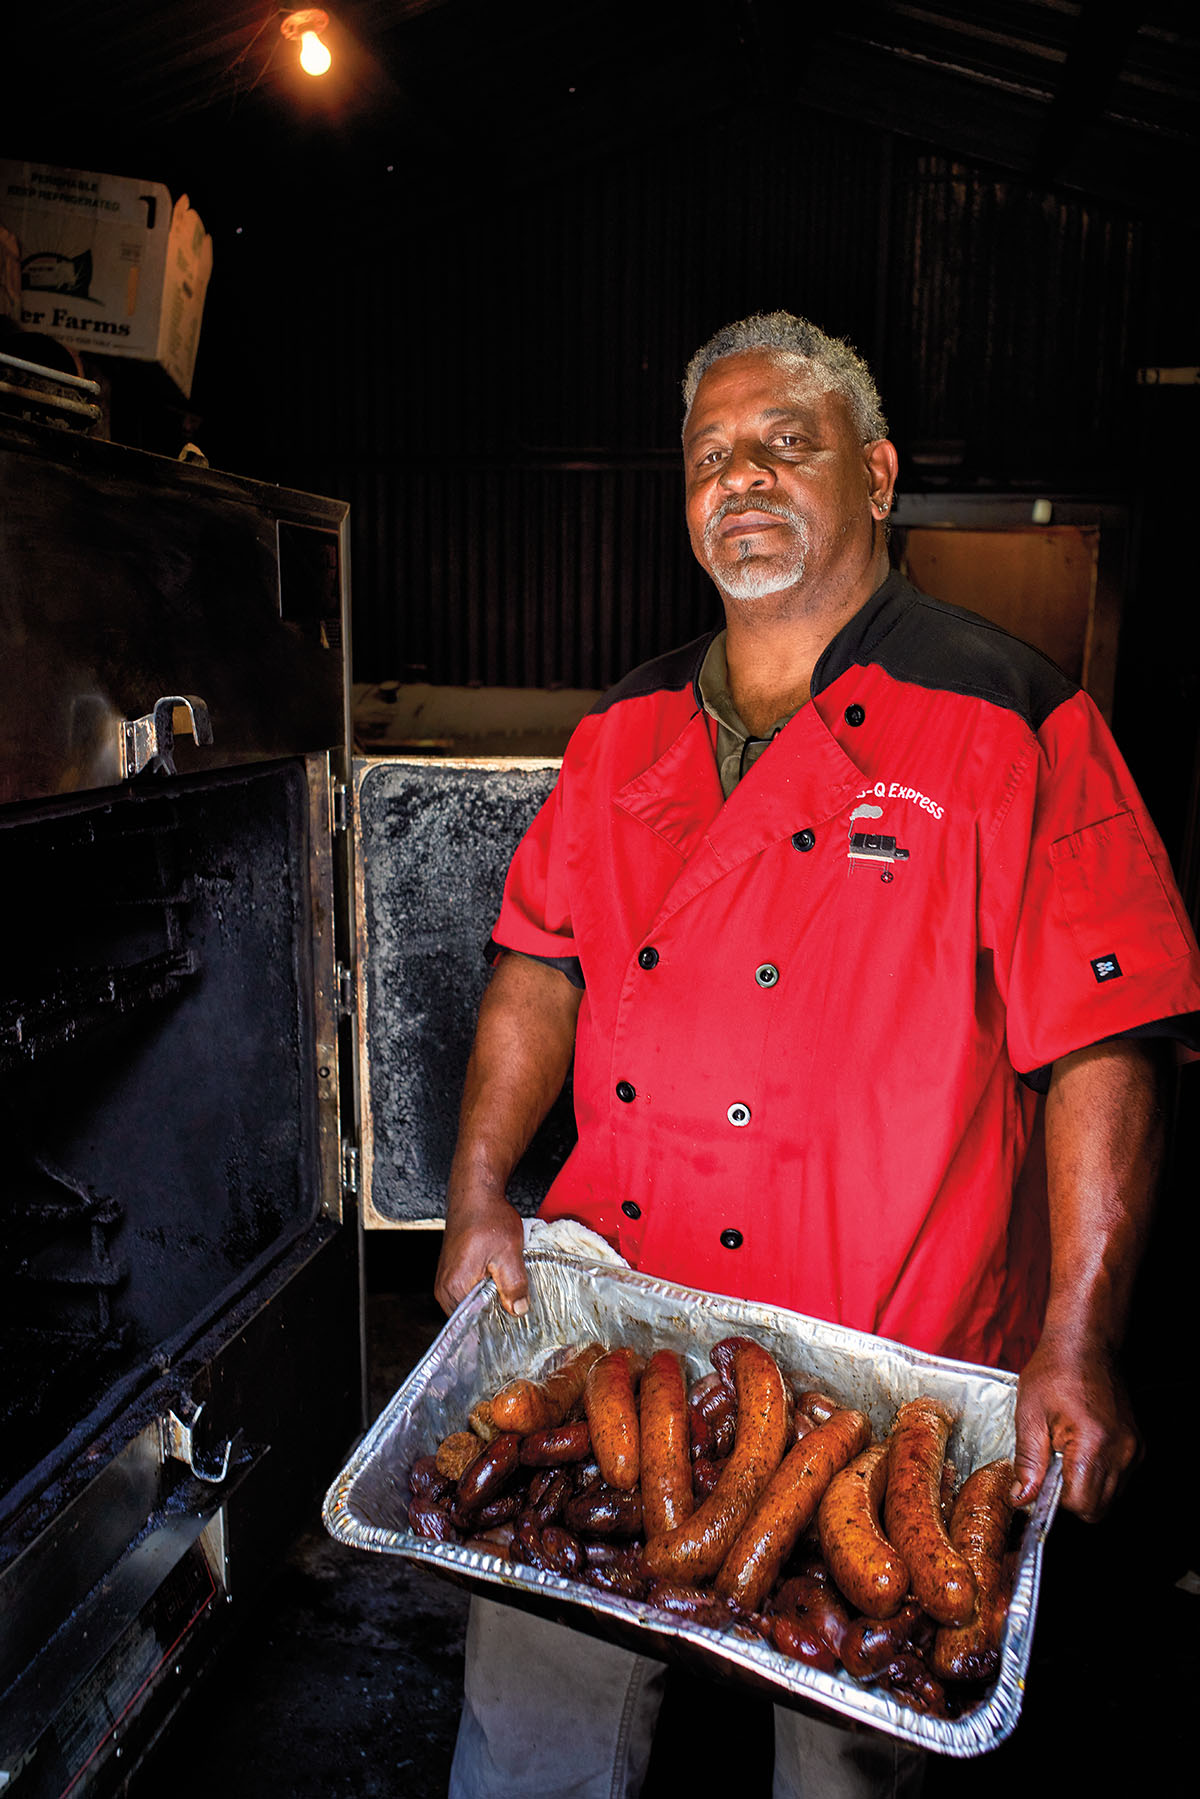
<point>1105,968</point>
<point>872,846</point>
<point>895,790</point>
<point>866,846</point>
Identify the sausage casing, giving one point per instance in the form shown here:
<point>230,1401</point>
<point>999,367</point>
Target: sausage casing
<point>456,1452</point>
<point>694,1550</point>
<point>604,1511</point>
<point>787,1506</point>
<point>979,1531</point>
<point>712,1414</point>
<point>941,1578</point>
<point>528,1405</point>
<point>665,1445</point>
<point>612,1417</point>
<point>489,1473</point>
<point>867,1568</point>
<point>556,1446</point>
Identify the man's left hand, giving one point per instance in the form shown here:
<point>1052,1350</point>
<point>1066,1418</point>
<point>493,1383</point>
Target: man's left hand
<point>1073,1401</point>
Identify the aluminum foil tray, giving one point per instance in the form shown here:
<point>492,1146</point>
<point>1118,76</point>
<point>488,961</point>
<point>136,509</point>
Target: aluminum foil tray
<point>571,1302</point>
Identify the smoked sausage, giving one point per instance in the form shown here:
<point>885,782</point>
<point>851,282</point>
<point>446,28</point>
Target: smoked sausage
<point>979,1531</point>
<point>612,1417</point>
<point>941,1578</point>
<point>867,1568</point>
<point>787,1506</point>
<point>666,1455</point>
<point>694,1550</point>
<point>489,1474</point>
<point>560,1444</point>
<point>527,1405</point>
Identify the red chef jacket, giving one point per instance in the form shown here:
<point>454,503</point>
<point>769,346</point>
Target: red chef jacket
<point>806,1009</point>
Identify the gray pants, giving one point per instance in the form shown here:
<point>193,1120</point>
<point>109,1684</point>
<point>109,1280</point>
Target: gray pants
<point>549,1713</point>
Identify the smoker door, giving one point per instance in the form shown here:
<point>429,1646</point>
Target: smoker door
<point>180,1276</point>
<point>126,578</point>
<point>433,839</point>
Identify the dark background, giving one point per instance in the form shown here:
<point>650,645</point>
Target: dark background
<point>456,280</point>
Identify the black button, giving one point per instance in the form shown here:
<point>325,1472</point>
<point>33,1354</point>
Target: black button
<point>731,1239</point>
<point>766,974</point>
<point>648,957</point>
<point>626,1091</point>
<point>854,715</point>
<point>804,840</point>
<point>631,1208</point>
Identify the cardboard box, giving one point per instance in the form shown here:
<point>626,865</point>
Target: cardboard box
<point>109,264</point>
<point>10,275</point>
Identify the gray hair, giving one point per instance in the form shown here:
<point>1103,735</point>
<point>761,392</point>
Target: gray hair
<point>843,366</point>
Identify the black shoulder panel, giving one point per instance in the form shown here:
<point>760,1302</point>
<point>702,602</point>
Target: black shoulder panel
<point>664,674</point>
<point>931,644</point>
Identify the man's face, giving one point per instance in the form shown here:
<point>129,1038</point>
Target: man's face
<point>778,484</point>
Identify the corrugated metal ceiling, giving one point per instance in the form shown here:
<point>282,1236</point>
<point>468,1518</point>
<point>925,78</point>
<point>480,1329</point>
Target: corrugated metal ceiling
<point>1088,95</point>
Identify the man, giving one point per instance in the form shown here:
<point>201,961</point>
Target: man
<point>818,907</point>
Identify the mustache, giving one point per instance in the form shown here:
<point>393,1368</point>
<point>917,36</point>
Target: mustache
<point>736,505</point>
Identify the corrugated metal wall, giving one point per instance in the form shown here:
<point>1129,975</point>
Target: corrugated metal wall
<point>491,378</point>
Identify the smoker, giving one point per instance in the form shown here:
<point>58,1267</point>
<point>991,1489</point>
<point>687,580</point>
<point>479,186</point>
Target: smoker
<point>190,1003</point>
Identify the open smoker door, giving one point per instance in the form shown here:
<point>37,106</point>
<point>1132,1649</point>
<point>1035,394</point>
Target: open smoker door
<point>434,839</point>
<point>180,1310</point>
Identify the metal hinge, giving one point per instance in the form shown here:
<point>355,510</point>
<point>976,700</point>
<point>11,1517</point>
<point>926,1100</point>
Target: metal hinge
<point>349,1168</point>
<point>337,808</point>
<point>344,977</point>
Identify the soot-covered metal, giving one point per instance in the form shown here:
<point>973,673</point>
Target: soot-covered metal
<point>435,841</point>
<point>158,1114</point>
<point>180,1349</point>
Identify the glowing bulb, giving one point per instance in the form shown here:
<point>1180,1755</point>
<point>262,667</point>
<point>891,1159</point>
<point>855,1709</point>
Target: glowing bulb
<point>314,57</point>
<point>307,26</point>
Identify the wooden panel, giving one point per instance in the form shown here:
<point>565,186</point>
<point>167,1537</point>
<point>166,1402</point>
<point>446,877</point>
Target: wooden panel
<point>1039,584</point>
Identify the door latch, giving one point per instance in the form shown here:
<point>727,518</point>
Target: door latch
<point>149,742</point>
<point>178,1443</point>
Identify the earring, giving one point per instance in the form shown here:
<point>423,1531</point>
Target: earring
<point>884,506</point>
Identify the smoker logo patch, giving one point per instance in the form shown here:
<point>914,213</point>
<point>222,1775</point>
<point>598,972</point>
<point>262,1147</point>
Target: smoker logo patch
<point>873,846</point>
<point>867,846</point>
<point>1105,968</point>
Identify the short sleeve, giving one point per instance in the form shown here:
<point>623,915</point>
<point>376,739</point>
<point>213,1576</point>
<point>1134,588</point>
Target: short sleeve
<point>1089,932</point>
<point>535,914</point>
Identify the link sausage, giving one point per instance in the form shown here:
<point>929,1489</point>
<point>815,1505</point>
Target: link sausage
<point>941,1578</point>
<point>979,1531</point>
<point>604,1511</point>
<point>694,1550</point>
<point>489,1473</point>
<point>612,1417</point>
<point>666,1456</point>
<point>787,1506</point>
<point>560,1444</point>
<point>526,1405</point>
<point>869,1571</point>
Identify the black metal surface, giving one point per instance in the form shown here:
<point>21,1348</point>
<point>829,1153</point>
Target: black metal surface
<point>159,1133</point>
<point>435,842</point>
<point>103,1634</point>
<point>173,1283</point>
<point>125,578</point>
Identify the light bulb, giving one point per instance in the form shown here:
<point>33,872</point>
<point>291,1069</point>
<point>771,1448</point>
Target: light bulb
<point>308,26</point>
<point>314,57</point>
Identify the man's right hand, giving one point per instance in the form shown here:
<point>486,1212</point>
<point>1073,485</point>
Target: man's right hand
<point>483,1238</point>
<point>523,1047</point>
